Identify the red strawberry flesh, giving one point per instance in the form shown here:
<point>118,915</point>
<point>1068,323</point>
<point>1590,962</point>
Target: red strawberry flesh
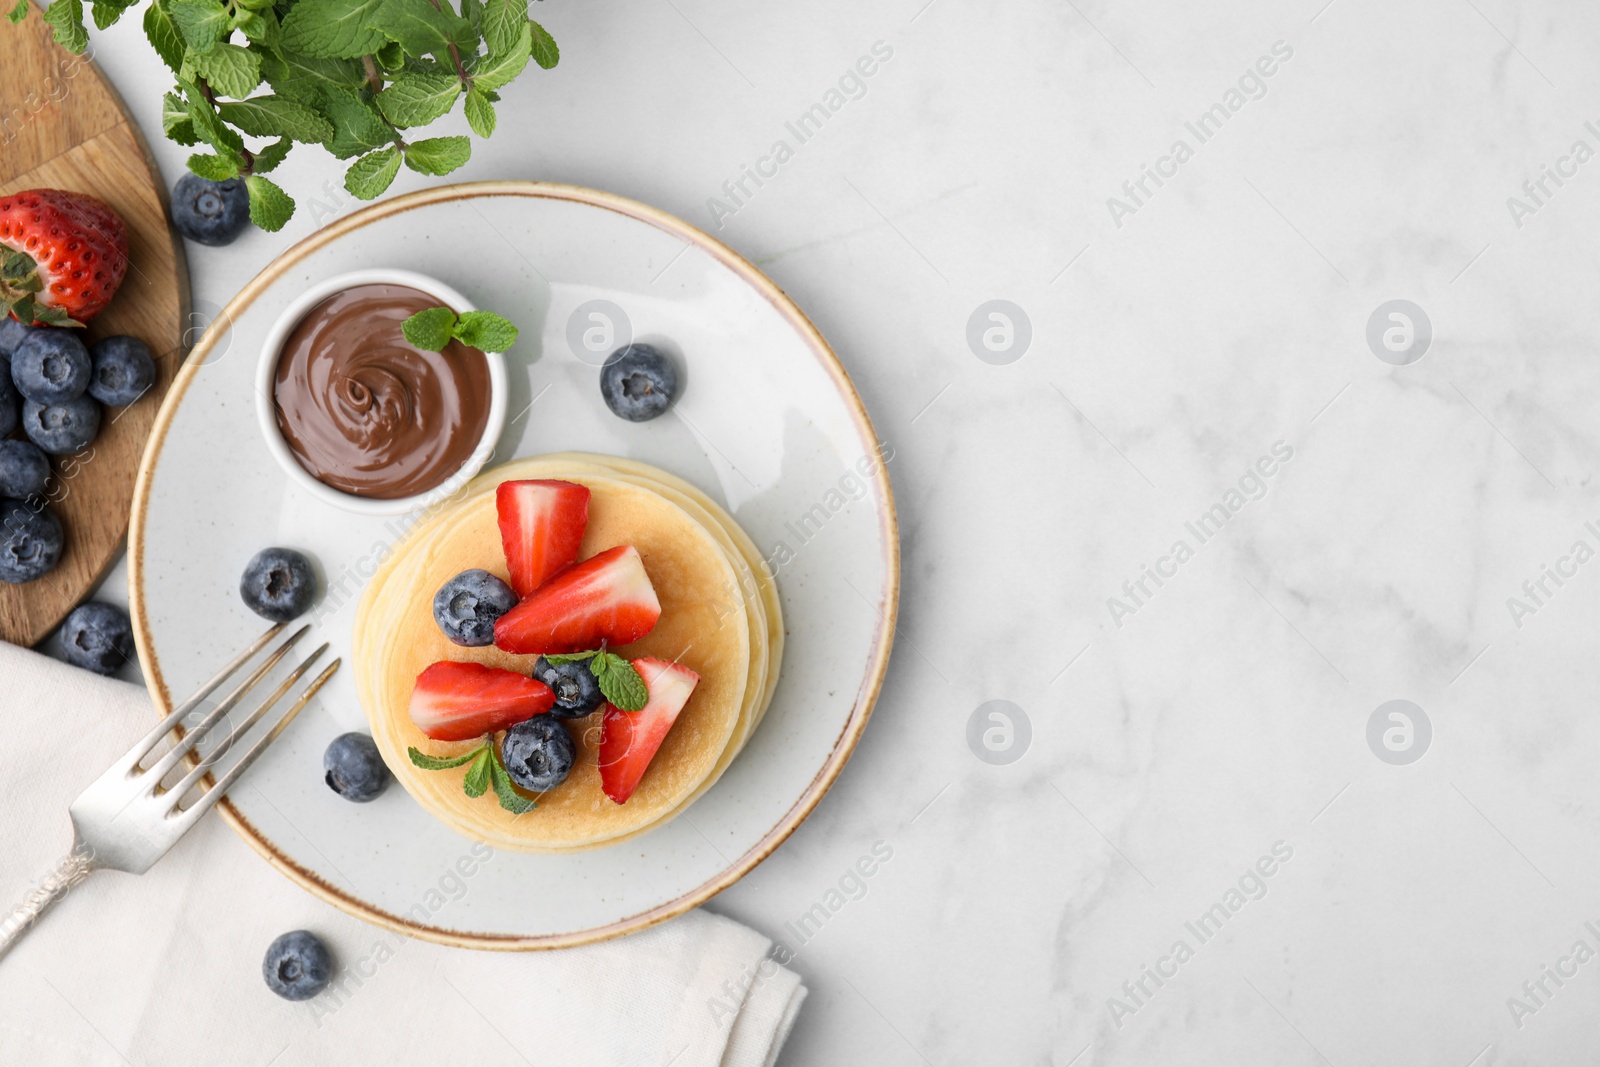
<point>460,701</point>
<point>631,739</point>
<point>541,528</point>
<point>607,599</point>
<point>63,256</point>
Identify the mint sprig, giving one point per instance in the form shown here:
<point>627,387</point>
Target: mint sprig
<point>486,772</point>
<point>620,682</point>
<point>500,778</point>
<point>354,76</point>
<point>440,763</point>
<point>433,328</point>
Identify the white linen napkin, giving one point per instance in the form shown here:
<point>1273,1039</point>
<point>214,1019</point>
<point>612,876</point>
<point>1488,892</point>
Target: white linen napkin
<point>165,968</point>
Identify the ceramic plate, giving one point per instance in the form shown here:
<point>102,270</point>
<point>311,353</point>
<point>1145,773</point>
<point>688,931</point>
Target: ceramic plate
<point>768,424</point>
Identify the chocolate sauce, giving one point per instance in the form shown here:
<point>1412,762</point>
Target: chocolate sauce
<point>367,412</point>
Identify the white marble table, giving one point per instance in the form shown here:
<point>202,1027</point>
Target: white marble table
<point>1184,734</point>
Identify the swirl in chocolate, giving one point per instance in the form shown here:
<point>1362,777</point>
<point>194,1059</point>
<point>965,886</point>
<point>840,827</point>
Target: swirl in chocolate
<point>367,412</point>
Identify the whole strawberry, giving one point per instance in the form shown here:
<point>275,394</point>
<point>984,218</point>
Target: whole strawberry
<point>62,256</point>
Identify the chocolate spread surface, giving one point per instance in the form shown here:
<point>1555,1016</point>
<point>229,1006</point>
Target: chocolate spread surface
<point>367,412</point>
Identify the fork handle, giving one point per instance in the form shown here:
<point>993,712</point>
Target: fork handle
<point>73,868</point>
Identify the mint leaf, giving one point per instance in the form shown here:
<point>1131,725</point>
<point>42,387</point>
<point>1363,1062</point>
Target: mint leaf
<point>568,657</point>
<point>20,12</point>
<point>477,779</point>
<point>370,175</point>
<point>430,328</point>
<point>480,113</point>
<point>440,763</point>
<point>420,28</point>
<point>257,28</point>
<point>619,682</point>
<point>416,98</point>
<point>438,155</point>
<point>66,22</point>
<point>357,126</point>
<point>175,119</point>
<point>502,22</point>
<point>214,168</point>
<point>332,29</point>
<point>509,798</point>
<point>269,157</point>
<point>305,78</point>
<point>485,331</point>
<point>270,206</point>
<point>498,69</point>
<point>545,52</point>
<point>391,57</point>
<point>202,23</point>
<point>274,116</point>
<point>230,70</point>
<point>472,11</point>
<point>207,125</point>
<point>107,12</point>
<point>164,36</point>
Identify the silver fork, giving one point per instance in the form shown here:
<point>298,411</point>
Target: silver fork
<point>126,820</point>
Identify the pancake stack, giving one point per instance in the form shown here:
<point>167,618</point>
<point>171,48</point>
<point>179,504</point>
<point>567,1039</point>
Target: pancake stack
<point>720,617</point>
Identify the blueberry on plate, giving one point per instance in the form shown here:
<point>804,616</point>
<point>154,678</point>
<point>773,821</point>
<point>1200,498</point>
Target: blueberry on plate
<point>12,334</point>
<point>297,966</point>
<point>122,370</point>
<point>538,753</point>
<point>211,213</point>
<point>354,769</point>
<point>467,606</point>
<point>24,470</point>
<point>30,541</point>
<point>63,429</point>
<point>98,637</point>
<point>51,366</point>
<point>278,584</point>
<point>576,688</point>
<point>638,382</point>
<point>10,403</point>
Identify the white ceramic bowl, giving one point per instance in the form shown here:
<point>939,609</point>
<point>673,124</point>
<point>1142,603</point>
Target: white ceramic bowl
<point>267,416</point>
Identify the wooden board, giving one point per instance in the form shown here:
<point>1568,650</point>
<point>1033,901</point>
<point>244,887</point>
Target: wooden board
<point>62,126</point>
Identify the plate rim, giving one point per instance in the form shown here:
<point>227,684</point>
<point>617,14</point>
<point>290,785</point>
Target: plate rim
<point>887,607</point>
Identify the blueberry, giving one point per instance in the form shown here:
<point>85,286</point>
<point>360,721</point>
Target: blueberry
<point>278,584</point>
<point>30,541</point>
<point>354,769</point>
<point>467,606</point>
<point>51,366</point>
<point>576,688</point>
<point>10,404</point>
<point>63,429</point>
<point>98,637</point>
<point>24,470</point>
<point>212,213</point>
<point>123,370</point>
<point>12,333</point>
<point>297,966</point>
<point>638,382</point>
<point>538,754</point>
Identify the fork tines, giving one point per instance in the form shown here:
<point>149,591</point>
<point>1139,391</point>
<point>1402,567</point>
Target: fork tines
<point>150,778</point>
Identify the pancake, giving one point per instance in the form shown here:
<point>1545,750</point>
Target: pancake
<point>704,624</point>
<point>761,593</point>
<point>671,484</point>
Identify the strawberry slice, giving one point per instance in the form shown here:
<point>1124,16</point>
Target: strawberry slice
<point>606,598</point>
<point>460,701</point>
<point>541,527</point>
<point>631,738</point>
